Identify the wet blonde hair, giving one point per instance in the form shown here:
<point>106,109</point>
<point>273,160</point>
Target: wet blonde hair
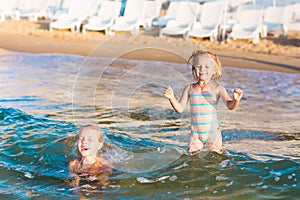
<point>95,128</point>
<point>217,76</point>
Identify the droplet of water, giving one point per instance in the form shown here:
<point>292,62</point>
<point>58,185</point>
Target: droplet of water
<point>221,178</point>
<point>162,178</point>
<point>181,166</point>
<point>224,163</point>
<point>28,175</point>
<point>144,180</point>
<point>275,173</point>
<point>173,178</point>
<point>229,184</point>
<point>264,187</point>
<point>260,183</point>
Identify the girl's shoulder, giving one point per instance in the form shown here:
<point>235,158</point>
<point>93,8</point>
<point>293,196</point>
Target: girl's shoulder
<point>220,88</point>
<point>188,87</point>
<point>74,163</point>
<point>216,89</point>
<point>191,86</point>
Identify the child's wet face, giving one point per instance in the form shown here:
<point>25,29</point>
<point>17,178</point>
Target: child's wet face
<point>88,143</point>
<point>204,67</point>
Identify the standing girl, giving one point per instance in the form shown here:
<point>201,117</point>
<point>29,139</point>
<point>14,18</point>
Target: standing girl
<point>203,96</point>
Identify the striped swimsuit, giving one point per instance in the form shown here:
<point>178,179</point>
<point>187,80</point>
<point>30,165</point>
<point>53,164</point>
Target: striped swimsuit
<point>203,114</point>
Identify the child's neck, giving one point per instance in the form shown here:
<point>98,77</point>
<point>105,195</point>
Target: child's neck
<point>87,161</point>
<point>203,84</point>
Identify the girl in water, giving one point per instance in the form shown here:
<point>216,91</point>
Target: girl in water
<point>91,166</point>
<point>203,96</point>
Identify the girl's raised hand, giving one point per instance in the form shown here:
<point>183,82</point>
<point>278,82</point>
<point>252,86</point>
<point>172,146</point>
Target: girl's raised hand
<point>237,94</point>
<point>169,92</point>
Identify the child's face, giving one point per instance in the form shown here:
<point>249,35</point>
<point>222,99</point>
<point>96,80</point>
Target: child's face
<point>88,142</point>
<point>204,67</point>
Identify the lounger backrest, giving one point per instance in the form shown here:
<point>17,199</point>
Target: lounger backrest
<point>93,7</point>
<point>109,10</point>
<point>292,13</point>
<point>172,9</point>
<point>152,9</point>
<point>211,14</point>
<point>187,12</point>
<point>78,9</point>
<point>8,5</point>
<point>66,4</point>
<point>135,9</point>
<point>36,5</point>
<point>274,15</point>
<point>251,18</point>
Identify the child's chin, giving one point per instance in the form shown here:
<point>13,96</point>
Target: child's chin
<point>85,153</point>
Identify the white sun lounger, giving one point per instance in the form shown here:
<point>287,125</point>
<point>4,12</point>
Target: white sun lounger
<point>151,12</point>
<point>109,11</point>
<point>32,9</point>
<point>171,15</point>
<point>185,17</point>
<point>208,26</point>
<point>77,12</point>
<point>133,17</point>
<point>8,9</point>
<point>63,8</point>
<point>292,16</point>
<point>249,25</point>
<point>273,20</point>
<point>53,7</point>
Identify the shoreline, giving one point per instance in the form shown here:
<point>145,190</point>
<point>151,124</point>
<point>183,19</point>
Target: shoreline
<point>26,36</point>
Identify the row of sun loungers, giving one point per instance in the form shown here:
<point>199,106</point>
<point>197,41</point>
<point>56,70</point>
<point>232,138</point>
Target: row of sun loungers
<point>31,9</point>
<point>186,18</point>
<point>213,21</point>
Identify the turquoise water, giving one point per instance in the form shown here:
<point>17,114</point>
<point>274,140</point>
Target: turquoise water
<point>45,98</point>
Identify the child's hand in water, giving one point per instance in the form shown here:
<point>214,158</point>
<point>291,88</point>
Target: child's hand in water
<point>237,94</point>
<point>169,92</point>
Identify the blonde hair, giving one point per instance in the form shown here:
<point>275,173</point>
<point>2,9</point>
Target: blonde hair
<point>95,128</point>
<point>217,76</point>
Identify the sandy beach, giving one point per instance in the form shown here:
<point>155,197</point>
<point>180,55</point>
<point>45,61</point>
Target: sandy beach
<point>274,54</point>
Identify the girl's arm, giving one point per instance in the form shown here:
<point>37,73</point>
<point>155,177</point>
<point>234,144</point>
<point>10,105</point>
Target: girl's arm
<point>178,106</point>
<point>231,103</point>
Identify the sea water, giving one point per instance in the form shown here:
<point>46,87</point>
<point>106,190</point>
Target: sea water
<point>45,98</point>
